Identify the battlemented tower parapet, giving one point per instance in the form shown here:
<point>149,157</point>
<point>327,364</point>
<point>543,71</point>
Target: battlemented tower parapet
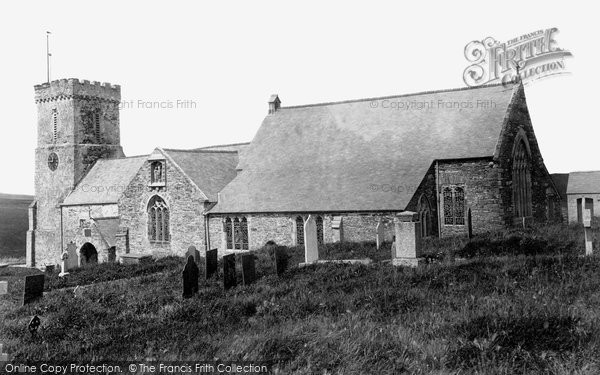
<point>78,123</point>
<point>72,88</point>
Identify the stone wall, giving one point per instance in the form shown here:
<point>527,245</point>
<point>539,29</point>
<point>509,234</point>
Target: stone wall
<point>479,179</point>
<point>542,187</point>
<point>76,219</point>
<point>281,229</point>
<point>572,205</point>
<point>186,208</point>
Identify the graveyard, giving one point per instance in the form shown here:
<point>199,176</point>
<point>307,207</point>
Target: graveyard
<point>518,301</point>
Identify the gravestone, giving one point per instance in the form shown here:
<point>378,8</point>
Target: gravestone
<point>311,244</point>
<point>407,251</point>
<point>34,324</point>
<point>211,263</point>
<point>49,268</point>
<point>193,252</point>
<point>65,264</point>
<point>229,276</point>
<point>380,230</point>
<point>73,258</point>
<point>248,269</point>
<point>34,288</point>
<point>281,260</point>
<point>78,292</point>
<point>3,356</point>
<point>587,227</point>
<point>190,278</point>
<point>3,288</point>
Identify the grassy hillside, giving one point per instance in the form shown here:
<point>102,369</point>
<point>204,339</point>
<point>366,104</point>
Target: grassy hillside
<point>492,315</point>
<point>13,225</point>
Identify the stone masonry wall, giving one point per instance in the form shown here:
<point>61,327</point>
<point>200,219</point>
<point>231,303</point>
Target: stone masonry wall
<point>186,208</point>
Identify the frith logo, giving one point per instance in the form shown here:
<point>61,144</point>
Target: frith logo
<point>531,56</point>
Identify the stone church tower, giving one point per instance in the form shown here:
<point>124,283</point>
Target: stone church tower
<point>78,123</point>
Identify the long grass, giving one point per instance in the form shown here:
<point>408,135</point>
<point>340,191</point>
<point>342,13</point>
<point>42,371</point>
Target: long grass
<point>525,314</point>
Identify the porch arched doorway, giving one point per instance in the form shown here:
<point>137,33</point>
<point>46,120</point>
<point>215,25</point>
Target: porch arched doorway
<point>88,254</point>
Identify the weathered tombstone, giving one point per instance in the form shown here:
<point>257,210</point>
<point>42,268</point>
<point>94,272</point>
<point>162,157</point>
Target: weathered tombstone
<point>34,288</point>
<point>49,268</point>
<point>190,278</point>
<point>193,252</point>
<point>34,324</point>
<point>65,264</point>
<point>229,276</point>
<point>211,263</point>
<point>380,229</point>
<point>3,288</point>
<point>78,292</point>
<point>73,258</point>
<point>587,228</point>
<point>3,356</point>
<point>248,269</point>
<point>311,244</point>
<point>281,260</point>
<point>408,240</point>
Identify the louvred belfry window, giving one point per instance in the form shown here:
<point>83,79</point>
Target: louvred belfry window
<point>158,220</point>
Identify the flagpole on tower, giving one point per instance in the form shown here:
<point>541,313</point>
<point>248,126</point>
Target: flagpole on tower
<point>48,55</point>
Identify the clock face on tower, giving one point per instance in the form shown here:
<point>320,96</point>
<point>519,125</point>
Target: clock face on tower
<point>53,161</point>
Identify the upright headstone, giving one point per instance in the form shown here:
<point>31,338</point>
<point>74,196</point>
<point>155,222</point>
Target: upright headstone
<point>311,245</point>
<point>587,228</point>
<point>64,271</point>
<point>190,278</point>
<point>3,288</point>
<point>211,263</point>
<point>34,324</point>
<point>229,276</point>
<point>380,229</point>
<point>3,356</point>
<point>248,269</point>
<point>78,292</point>
<point>408,240</point>
<point>193,252</point>
<point>49,268</point>
<point>73,258</point>
<point>281,260</point>
<point>34,288</point>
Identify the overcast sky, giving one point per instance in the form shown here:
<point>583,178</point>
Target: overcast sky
<point>229,57</point>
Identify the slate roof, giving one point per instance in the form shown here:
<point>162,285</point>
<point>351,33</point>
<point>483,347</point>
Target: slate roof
<point>106,181</point>
<point>210,170</point>
<point>584,183</point>
<point>355,155</point>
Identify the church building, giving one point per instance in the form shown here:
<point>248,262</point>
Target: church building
<point>466,160</point>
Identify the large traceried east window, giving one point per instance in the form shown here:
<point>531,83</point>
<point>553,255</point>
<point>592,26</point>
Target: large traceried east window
<point>236,233</point>
<point>299,230</point>
<point>158,220</point>
<point>521,174</point>
<point>454,205</point>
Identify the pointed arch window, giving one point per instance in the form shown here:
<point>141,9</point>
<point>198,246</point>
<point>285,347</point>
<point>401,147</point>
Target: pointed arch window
<point>158,220</point>
<point>236,233</point>
<point>521,183</point>
<point>424,211</point>
<point>319,222</point>
<point>454,204</point>
<point>299,230</point>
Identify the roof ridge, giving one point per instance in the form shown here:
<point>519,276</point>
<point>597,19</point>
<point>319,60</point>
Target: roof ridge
<point>399,96</point>
<point>596,171</point>
<point>224,145</point>
<point>201,151</point>
<point>127,157</point>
